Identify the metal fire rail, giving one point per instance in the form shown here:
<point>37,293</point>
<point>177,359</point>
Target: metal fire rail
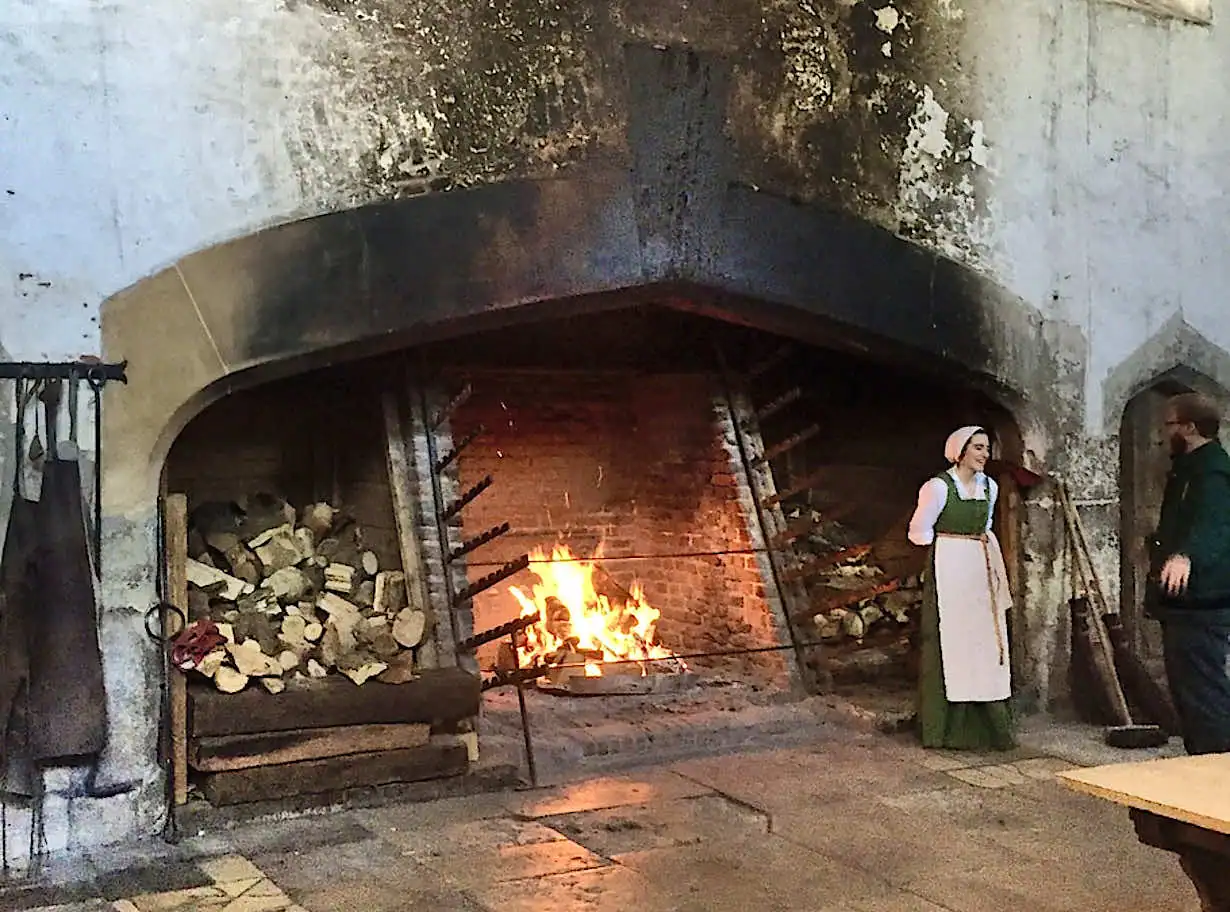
<point>442,467</point>
<point>780,536</point>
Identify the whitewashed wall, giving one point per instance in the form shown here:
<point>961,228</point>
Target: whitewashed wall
<point>132,133</point>
<point>1110,149</point>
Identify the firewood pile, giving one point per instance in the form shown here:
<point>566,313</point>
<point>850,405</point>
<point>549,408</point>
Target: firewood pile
<point>858,597</point>
<point>277,594</point>
<point>893,610</point>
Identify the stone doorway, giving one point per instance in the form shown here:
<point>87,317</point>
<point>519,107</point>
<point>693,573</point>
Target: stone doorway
<point>1144,461</point>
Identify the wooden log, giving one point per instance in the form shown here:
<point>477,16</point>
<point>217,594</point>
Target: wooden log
<point>205,576</point>
<point>236,752</point>
<point>436,695</point>
<point>175,545</point>
<point>333,774</point>
<point>406,516</point>
<point>409,627</point>
<point>842,598</point>
<point>390,594</point>
<point>823,563</point>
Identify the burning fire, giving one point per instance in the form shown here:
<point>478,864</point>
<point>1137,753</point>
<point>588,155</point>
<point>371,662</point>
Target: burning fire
<point>577,623</point>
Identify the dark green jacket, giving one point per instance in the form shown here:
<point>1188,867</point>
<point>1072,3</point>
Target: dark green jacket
<point>1195,521</point>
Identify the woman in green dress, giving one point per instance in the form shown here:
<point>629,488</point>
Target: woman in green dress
<point>964,678</point>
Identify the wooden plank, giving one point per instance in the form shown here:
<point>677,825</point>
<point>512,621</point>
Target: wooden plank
<point>235,752</point>
<point>399,457</point>
<point>335,774</point>
<point>1194,790</point>
<point>436,695</point>
<point>175,531</point>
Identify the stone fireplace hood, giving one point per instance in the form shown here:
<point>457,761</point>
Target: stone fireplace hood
<point>396,274</point>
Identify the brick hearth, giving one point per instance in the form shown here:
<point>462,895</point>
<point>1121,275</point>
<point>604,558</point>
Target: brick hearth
<point>641,464</point>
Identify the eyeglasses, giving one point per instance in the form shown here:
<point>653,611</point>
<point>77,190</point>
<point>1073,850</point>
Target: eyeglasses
<point>1174,423</point>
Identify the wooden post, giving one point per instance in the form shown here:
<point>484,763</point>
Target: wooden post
<point>406,514</point>
<point>176,554</point>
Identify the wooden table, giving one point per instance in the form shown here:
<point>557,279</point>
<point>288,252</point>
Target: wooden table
<point>1181,805</point>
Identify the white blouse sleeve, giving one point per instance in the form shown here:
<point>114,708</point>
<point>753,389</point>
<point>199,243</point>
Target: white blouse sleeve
<point>992,496</point>
<point>931,499</point>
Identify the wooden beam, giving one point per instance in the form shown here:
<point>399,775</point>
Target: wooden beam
<point>435,695</point>
<point>236,752</point>
<point>335,774</point>
<point>406,516</point>
<point>175,545</point>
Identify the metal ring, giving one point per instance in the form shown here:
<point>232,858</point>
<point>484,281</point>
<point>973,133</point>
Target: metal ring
<point>96,377</point>
<point>159,611</point>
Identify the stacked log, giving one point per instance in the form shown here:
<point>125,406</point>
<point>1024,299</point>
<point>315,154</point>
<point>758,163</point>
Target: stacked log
<point>295,594</point>
<point>858,590</point>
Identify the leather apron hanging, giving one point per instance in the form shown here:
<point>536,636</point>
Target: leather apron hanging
<point>16,606</point>
<point>67,703</point>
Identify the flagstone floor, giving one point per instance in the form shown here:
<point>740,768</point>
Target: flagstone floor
<point>860,822</point>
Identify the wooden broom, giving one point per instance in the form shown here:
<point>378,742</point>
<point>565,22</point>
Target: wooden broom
<point>1125,733</point>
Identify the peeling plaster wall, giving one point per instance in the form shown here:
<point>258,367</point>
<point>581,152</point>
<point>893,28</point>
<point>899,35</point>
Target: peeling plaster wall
<point>1109,145</point>
<point>1068,150</point>
<point>137,133</point>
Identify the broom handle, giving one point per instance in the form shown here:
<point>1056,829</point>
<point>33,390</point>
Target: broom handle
<point>1092,582</point>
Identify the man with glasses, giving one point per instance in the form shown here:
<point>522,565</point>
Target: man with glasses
<point>1189,589</point>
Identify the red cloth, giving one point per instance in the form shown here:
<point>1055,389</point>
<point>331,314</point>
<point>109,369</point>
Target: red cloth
<point>194,642</point>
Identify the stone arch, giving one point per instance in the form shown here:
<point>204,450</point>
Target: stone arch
<point>397,274</point>
<point>1178,353</point>
<point>1178,359</point>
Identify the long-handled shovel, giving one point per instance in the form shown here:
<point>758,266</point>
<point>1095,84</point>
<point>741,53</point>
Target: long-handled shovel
<point>1125,733</point>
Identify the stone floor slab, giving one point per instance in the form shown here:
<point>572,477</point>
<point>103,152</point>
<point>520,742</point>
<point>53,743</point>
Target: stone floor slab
<point>320,867</point>
<point>766,873</point>
<point>181,900</point>
<point>821,775</point>
<point>412,817</point>
<point>685,821</point>
<point>298,834</point>
<point>231,869</point>
<point>474,836</point>
<point>514,862</point>
<point>609,889</point>
<point>367,896</point>
<point>607,792</point>
<point>981,776</point>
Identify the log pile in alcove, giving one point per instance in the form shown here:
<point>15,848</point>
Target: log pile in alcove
<point>294,594</point>
<point>860,591</point>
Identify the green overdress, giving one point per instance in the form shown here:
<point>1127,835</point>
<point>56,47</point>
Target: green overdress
<point>956,726</point>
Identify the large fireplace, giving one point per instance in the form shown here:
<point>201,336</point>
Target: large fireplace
<point>632,467</point>
<point>672,497</point>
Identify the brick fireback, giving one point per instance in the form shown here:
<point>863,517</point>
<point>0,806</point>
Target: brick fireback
<point>637,463</point>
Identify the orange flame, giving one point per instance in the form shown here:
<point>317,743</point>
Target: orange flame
<point>575,617</point>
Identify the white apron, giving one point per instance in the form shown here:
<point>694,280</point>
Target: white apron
<point>973,618</point>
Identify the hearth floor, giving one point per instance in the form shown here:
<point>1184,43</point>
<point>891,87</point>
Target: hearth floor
<point>578,736</point>
<point>852,822</point>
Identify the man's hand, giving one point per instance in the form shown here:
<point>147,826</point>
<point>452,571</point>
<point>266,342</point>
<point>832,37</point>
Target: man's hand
<point>1175,574</point>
